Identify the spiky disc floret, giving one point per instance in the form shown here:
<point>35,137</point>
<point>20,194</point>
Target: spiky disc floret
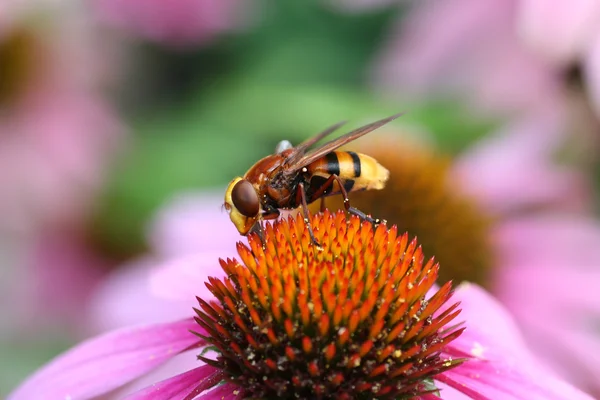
<point>348,321</point>
<point>434,206</point>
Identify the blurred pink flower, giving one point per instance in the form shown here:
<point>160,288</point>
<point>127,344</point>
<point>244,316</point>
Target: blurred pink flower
<point>567,33</point>
<point>498,365</point>
<point>546,245</point>
<point>178,22</point>
<point>562,31</point>
<point>513,57</point>
<point>53,154</point>
<point>58,136</point>
<point>58,274</point>
<point>56,131</point>
<point>561,285</point>
<point>470,49</point>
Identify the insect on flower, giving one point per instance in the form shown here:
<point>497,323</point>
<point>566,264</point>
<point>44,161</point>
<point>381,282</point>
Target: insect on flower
<point>293,177</point>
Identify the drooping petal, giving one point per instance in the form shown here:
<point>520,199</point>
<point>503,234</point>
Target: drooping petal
<point>188,236</point>
<point>179,364</point>
<point>502,368</point>
<point>549,273</point>
<point>227,391</point>
<point>558,29</point>
<point>469,48</point>
<point>493,170</point>
<point>183,278</point>
<point>191,223</point>
<point>106,362</point>
<point>116,301</point>
<point>551,240</point>
<point>167,289</point>
<point>181,386</point>
<point>425,48</point>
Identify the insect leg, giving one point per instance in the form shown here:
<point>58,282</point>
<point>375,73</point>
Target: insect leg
<point>366,217</point>
<point>352,210</point>
<point>302,194</point>
<point>322,207</point>
<point>260,232</point>
<point>328,185</point>
<point>271,213</point>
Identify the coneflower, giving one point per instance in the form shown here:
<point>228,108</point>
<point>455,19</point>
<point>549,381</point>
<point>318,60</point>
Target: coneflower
<point>359,318</point>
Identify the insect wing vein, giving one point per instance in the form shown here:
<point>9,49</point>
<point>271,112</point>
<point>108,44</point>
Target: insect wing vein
<point>292,165</point>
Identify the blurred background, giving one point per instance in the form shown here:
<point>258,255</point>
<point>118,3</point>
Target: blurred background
<point>121,123</point>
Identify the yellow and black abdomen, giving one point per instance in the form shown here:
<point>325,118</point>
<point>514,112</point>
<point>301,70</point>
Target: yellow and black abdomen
<point>356,171</point>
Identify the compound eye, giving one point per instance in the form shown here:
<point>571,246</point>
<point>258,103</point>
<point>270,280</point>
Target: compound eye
<point>282,146</point>
<point>245,199</point>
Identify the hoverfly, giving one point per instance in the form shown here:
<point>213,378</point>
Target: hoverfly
<point>293,177</point>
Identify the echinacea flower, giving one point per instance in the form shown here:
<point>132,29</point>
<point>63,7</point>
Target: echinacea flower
<point>508,58</point>
<point>58,136</point>
<point>358,317</point>
<point>57,132</point>
<point>467,49</point>
<point>567,34</point>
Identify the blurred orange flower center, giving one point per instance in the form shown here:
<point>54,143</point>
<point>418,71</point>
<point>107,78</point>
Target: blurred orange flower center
<point>16,63</point>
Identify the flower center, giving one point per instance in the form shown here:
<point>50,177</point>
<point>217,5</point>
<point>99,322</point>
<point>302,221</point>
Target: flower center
<point>16,64</point>
<point>351,321</point>
<point>419,198</point>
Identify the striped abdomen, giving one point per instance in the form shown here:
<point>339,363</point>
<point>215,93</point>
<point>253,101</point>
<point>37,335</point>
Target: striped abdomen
<point>357,171</point>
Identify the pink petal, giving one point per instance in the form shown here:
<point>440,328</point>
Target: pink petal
<point>558,29</point>
<point>551,240</point>
<point>502,367</point>
<point>573,352</point>
<point>185,361</point>
<point>183,278</point>
<point>436,37</point>
<point>224,392</point>
<point>179,22</point>
<point>62,274</point>
<point>549,273</point>
<point>189,235</point>
<point>168,289</point>
<point>182,385</point>
<point>466,48</point>
<point>506,78</point>
<point>53,164</point>
<point>107,362</point>
<point>193,223</point>
<point>448,393</point>
<point>125,298</point>
<point>492,170</point>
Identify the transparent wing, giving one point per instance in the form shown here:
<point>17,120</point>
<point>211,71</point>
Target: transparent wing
<point>300,150</point>
<point>302,160</point>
